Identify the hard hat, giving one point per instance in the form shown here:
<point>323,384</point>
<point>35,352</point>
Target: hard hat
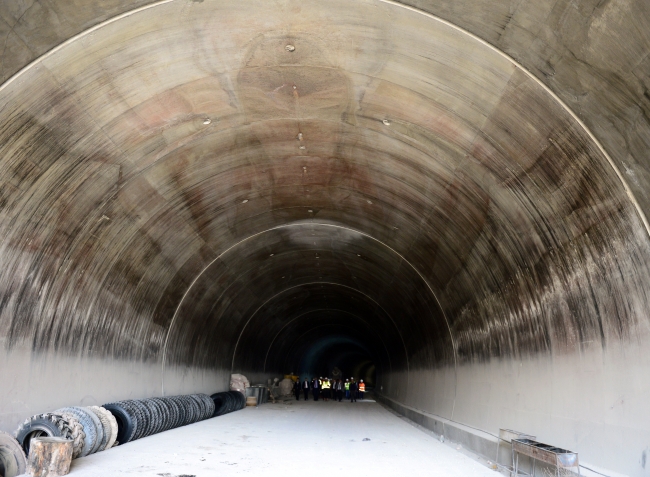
<point>361,380</point>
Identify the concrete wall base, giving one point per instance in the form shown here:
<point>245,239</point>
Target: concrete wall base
<point>478,441</point>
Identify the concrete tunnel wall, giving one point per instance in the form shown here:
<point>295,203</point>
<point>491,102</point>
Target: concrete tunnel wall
<point>182,197</point>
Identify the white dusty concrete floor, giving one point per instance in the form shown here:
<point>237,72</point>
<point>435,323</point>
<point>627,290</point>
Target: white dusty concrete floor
<point>308,438</point>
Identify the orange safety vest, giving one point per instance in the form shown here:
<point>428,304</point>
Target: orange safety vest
<point>362,387</point>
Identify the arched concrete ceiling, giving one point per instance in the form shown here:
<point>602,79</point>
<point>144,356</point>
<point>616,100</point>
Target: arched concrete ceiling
<point>184,184</point>
<point>592,53</point>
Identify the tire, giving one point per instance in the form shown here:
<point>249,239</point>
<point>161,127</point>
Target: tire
<point>138,418</point>
<point>50,425</point>
<point>199,405</point>
<point>112,437</point>
<point>202,407</point>
<point>234,401</point>
<point>13,461</point>
<point>189,409</point>
<point>179,414</point>
<point>167,414</point>
<point>220,404</point>
<point>228,402</point>
<point>181,411</point>
<point>92,427</point>
<point>78,435</point>
<point>106,427</point>
<point>126,419</point>
<point>158,419</point>
<point>209,406</point>
<point>143,417</point>
<point>242,401</point>
<point>157,416</point>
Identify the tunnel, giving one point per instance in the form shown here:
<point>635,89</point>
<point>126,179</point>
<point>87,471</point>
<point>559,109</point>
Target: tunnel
<point>446,198</point>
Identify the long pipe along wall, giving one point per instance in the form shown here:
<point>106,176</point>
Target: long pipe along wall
<point>450,197</point>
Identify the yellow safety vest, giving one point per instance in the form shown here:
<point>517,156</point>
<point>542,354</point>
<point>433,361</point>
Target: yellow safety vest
<point>326,384</point>
<point>347,386</point>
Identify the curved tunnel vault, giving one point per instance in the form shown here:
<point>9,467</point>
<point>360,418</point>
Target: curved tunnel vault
<point>190,190</point>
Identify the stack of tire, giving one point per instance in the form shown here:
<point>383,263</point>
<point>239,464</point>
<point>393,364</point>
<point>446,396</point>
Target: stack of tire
<point>92,429</point>
<point>228,401</point>
<point>137,418</point>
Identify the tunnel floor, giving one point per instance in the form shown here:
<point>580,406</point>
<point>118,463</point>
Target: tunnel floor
<point>310,438</point>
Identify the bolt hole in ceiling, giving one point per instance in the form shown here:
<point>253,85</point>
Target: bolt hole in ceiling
<point>445,227</point>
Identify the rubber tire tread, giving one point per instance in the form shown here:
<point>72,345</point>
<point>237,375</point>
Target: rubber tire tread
<point>181,411</point>
<point>127,422</point>
<point>136,415</point>
<point>106,427</point>
<point>220,402</point>
<point>190,410</point>
<point>163,414</point>
<point>112,436</point>
<point>93,438</point>
<point>151,415</point>
<point>96,422</point>
<point>241,400</point>
<point>78,435</point>
<point>176,413</point>
<point>195,407</point>
<point>172,411</point>
<point>12,455</point>
<point>234,401</point>
<point>239,397</point>
<point>53,425</point>
<point>144,416</point>
<point>160,413</point>
<point>209,405</point>
<point>199,405</point>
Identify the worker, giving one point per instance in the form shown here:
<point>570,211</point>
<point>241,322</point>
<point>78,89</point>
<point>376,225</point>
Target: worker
<point>339,389</point>
<point>362,388</point>
<point>305,388</point>
<point>296,389</point>
<point>326,389</point>
<point>347,389</point>
<point>315,384</point>
<point>353,390</point>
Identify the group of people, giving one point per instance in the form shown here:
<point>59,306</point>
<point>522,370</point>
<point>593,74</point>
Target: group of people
<point>327,389</point>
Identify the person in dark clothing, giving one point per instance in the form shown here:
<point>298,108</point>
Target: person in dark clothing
<point>296,389</point>
<point>353,391</point>
<point>339,390</point>
<point>315,384</point>
<point>305,388</point>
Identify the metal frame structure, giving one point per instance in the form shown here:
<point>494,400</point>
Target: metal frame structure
<point>556,456</point>
<point>508,435</point>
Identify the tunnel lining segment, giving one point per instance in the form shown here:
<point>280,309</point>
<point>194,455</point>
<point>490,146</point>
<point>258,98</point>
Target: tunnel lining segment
<point>395,4</point>
<point>310,224</point>
<point>316,283</point>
